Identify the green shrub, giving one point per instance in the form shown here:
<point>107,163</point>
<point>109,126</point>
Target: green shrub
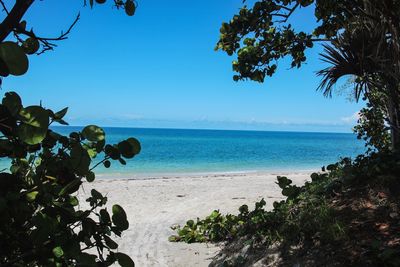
<point>42,222</point>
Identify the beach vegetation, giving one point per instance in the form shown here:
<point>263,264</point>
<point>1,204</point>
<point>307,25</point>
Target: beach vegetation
<point>348,213</point>
<point>360,40</point>
<point>43,222</point>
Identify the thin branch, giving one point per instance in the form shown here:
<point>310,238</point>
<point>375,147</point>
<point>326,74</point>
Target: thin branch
<point>47,42</point>
<point>4,8</point>
<point>291,12</point>
<point>321,40</point>
<point>284,7</point>
<point>100,162</point>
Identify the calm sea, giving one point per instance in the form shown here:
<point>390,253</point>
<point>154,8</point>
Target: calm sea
<point>177,151</point>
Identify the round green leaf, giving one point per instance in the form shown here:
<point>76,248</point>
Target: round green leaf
<point>93,133</point>
<point>90,176</point>
<point>35,116</point>
<point>119,217</point>
<point>135,145</point>
<point>14,57</point>
<point>107,164</point>
<point>31,135</point>
<point>34,124</point>
<point>129,148</point>
<point>124,260</point>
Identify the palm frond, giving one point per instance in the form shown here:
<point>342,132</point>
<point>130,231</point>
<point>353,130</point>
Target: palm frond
<point>358,51</point>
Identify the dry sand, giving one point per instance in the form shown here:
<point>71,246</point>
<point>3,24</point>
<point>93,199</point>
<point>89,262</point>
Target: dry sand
<point>154,205</point>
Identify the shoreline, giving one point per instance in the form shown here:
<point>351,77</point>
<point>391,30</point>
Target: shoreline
<point>185,175</point>
<point>154,205</point>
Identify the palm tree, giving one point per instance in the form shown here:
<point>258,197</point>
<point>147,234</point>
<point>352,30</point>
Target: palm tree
<point>368,49</point>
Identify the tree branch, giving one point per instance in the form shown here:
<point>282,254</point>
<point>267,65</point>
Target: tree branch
<point>47,42</point>
<point>11,21</point>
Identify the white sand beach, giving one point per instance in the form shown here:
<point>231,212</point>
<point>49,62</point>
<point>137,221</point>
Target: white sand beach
<point>153,205</point>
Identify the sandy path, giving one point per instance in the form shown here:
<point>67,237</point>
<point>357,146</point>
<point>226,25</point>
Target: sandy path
<point>154,205</point>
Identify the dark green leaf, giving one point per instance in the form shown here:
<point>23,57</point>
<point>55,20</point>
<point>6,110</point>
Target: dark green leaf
<point>31,45</point>
<point>8,123</point>
<point>105,216</point>
<point>110,243</point>
<point>112,151</point>
<point>87,260</point>
<point>35,116</point>
<point>119,217</point>
<point>100,145</point>
<point>63,122</point>
<point>124,260</point>
<point>96,194</point>
<point>130,7</point>
<point>90,176</point>
<point>107,164</point>
<point>93,133</point>
<point>80,159</point>
<point>60,114</point>
<point>13,102</point>
<point>71,187</point>
<point>31,135</point>
<point>129,148</point>
<point>14,57</point>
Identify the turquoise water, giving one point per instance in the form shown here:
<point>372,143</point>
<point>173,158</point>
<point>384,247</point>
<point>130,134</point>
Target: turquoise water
<point>174,151</point>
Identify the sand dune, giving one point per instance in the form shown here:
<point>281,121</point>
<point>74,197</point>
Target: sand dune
<point>153,205</point>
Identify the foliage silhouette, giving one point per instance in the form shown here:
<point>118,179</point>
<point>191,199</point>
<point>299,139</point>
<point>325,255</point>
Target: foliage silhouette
<point>42,222</point>
<point>361,39</point>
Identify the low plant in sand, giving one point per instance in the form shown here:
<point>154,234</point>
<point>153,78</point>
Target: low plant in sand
<point>346,215</point>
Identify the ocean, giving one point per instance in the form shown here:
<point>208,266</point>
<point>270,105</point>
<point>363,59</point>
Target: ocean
<point>180,151</point>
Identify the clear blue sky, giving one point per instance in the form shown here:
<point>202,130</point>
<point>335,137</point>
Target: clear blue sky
<point>159,69</point>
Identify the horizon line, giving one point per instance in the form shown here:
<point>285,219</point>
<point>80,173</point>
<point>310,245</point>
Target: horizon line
<point>206,129</point>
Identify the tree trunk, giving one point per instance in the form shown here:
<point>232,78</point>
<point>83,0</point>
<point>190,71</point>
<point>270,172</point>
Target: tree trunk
<point>394,117</point>
<point>13,18</point>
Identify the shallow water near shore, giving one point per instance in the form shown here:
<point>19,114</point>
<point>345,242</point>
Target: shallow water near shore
<point>177,152</point>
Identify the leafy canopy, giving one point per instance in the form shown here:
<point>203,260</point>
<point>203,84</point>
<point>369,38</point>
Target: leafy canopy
<point>261,35</point>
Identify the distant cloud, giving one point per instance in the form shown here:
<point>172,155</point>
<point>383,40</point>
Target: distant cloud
<point>351,119</point>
